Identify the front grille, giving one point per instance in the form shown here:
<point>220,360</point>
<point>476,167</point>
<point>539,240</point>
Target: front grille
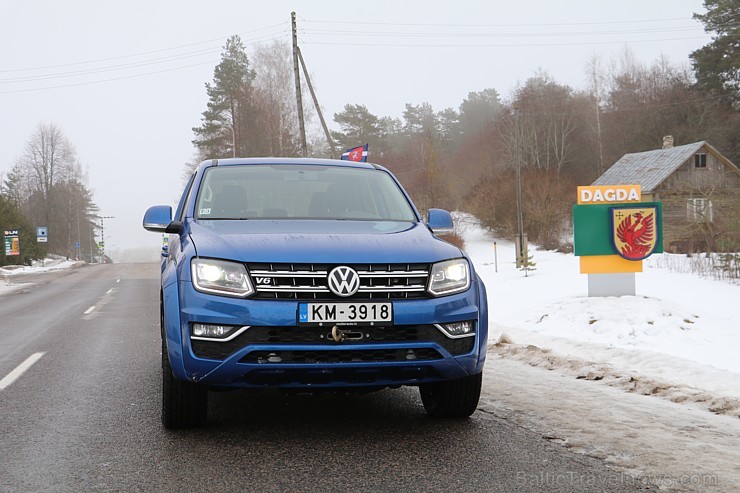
<point>309,281</point>
<point>341,356</point>
<point>320,336</point>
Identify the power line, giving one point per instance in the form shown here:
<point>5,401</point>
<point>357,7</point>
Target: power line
<point>318,35</point>
<point>150,52</point>
<point>126,66</point>
<point>417,24</point>
<point>108,68</point>
<point>143,63</point>
<point>468,34</point>
<point>108,80</point>
<point>507,45</point>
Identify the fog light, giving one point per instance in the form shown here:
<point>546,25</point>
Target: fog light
<point>212,331</point>
<point>458,329</point>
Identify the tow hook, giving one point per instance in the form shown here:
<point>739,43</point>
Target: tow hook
<point>340,336</point>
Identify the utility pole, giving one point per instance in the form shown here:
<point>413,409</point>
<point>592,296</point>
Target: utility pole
<point>233,140</point>
<point>78,245</point>
<point>596,94</point>
<point>299,101</point>
<point>519,216</point>
<point>316,103</point>
<point>102,232</point>
<point>92,231</point>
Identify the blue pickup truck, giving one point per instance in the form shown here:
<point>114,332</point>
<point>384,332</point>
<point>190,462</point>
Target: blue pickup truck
<point>315,275</point>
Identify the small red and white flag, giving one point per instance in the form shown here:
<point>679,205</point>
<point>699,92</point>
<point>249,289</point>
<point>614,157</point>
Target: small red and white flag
<point>358,154</point>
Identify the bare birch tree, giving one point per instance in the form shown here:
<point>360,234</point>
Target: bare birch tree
<point>545,123</point>
<point>275,98</point>
<point>49,158</point>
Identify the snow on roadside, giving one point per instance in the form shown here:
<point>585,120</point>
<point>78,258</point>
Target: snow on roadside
<point>678,337</point>
<point>11,276</point>
<point>47,265</point>
<point>671,447</point>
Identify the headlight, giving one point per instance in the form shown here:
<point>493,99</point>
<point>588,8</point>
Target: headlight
<point>221,277</point>
<point>451,276</point>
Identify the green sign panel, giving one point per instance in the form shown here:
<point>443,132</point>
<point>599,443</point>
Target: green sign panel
<point>594,233</point>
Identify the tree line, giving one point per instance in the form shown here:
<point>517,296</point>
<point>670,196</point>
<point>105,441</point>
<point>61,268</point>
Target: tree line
<point>461,158</point>
<point>46,187</point>
<point>465,158</point>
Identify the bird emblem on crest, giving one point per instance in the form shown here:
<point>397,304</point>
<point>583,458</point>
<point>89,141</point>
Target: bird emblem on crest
<point>634,233</point>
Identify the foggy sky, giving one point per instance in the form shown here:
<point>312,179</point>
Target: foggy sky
<point>125,80</point>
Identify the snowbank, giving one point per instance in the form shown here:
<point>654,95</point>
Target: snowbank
<point>680,333</point>
<point>12,276</point>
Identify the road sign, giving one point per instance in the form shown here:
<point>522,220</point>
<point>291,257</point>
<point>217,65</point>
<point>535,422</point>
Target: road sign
<point>12,242</point>
<point>593,231</point>
<point>612,232</point>
<point>42,234</point>
<point>605,194</point>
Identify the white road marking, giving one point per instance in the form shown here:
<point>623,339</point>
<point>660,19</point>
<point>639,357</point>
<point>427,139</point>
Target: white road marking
<point>104,300</point>
<point>118,280</point>
<point>20,370</point>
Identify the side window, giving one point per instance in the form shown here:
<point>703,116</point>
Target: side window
<point>179,213</point>
<point>699,210</point>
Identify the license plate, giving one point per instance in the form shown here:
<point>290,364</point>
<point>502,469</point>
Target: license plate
<point>345,313</point>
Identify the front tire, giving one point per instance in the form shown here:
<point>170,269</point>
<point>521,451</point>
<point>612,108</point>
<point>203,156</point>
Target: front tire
<point>184,404</point>
<point>452,399</point>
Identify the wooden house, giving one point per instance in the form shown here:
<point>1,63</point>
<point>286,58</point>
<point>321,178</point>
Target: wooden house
<point>698,187</point>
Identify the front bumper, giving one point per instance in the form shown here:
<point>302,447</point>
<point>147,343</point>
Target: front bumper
<point>275,352</point>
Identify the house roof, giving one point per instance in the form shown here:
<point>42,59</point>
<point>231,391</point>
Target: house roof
<point>649,169</point>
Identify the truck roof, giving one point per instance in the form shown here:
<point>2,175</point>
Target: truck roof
<point>289,161</point>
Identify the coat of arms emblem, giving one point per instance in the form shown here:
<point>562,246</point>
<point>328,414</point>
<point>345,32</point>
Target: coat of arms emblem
<point>634,234</point>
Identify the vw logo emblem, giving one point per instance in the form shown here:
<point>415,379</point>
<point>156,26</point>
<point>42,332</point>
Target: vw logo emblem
<point>343,281</point>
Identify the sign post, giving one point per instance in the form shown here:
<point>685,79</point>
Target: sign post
<point>613,232</point>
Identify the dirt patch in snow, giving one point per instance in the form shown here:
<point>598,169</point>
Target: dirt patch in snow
<point>628,381</point>
<point>668,446</point>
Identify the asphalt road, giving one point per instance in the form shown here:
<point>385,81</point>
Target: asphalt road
<point>85,416</point>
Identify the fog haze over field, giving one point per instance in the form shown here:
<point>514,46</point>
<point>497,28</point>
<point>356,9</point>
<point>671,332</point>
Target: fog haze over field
<point>125,81</point>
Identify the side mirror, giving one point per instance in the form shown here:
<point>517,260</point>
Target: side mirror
<point>158,218</point>
<point>440,221</point>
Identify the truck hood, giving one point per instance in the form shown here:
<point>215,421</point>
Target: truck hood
<point>318,241</point>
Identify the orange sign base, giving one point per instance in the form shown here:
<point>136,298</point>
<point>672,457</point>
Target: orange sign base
<point>608,264</point>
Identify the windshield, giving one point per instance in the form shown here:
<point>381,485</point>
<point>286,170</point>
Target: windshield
<point>301,192</point>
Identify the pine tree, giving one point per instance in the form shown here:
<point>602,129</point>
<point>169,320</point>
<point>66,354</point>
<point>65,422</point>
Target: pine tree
<point>11,218</point>
<point>225,123</point>
<point>358,125</point>
<point>717,64</point>
<point>528,265</point>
